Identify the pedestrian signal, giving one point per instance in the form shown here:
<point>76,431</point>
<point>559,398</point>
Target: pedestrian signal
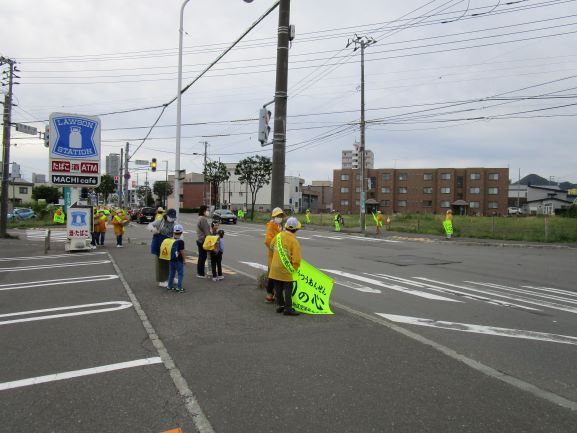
<point>153,164</point>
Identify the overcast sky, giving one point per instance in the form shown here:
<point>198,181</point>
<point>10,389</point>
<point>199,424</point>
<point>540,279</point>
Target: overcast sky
<point>448,82</point>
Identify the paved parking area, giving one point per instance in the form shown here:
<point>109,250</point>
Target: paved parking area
<point>75,355</point>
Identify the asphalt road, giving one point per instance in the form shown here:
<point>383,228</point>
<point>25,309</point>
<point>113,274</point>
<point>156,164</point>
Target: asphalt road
<point>74,356</point>
<point>529,293</point>
<point>427,336</point>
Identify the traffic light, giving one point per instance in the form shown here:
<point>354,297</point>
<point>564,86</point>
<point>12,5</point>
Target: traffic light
<point>153,164</point>
<point>263,128</point>
<point>46,136</point>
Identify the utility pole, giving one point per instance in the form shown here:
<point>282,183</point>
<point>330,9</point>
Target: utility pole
<point>7,119</point>
<point>204,195</point>
<point>280,107</point>
<point>120,176</point>
<point>126,177</point>
<point>166,185</point>
<point>362,42</point>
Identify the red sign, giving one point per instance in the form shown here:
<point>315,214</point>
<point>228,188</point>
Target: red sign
<point>61,166</point>
<point>89,167</point>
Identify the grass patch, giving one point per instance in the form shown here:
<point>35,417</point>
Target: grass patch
<point>526,228</point>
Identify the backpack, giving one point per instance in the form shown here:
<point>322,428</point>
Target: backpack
<point>210,243</point>
<point>166,248</point>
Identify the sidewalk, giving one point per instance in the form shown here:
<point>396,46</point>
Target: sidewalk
<point>254,371</point>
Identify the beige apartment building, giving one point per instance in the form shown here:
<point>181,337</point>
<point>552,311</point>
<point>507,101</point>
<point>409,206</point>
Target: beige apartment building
<point>467,191</point>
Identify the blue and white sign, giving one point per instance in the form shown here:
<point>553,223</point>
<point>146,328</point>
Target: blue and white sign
<point>74,136</point>
<point>74,143</point>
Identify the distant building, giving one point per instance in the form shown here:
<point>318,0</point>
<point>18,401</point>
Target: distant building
<point>468,191</point>
<point>38,178</point>
<point>113,164</point>
<point>545,200</point>
<point>19,192</point>
<point>351,158</point>
<point>318,197</point>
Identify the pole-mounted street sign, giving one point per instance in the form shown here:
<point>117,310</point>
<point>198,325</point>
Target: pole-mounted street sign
<point>74,150</point>
<point>26,129</point>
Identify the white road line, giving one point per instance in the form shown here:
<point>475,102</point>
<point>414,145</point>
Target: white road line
<point>480,329</point>
<point>79,373</point>
<point>515,298</point>
<point>256,265</point>
<point>373,239</point>
<point>391,287</point>
<point>338,238</point>
<point>552,290</point>
<point>57,282</point>
<point>302,237</point>
<point>54,265</point>
<point>457,292</point>
<point>46,257</point>
<point>526,292</point>
<point>356,286</point>
<point>547,304</point>
<point>119,305</point>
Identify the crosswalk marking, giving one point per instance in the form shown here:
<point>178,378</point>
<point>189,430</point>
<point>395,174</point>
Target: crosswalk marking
<point>394,287</point>
<point>40,235</point>
<point>481,329</point>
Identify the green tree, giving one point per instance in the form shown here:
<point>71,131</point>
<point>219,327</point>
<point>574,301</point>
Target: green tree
<point>49,193</point>
<point>145,195</point>
<point>254,171</point>
<point>163,189</point>
<point>106,187</point>
<point>215,173</point>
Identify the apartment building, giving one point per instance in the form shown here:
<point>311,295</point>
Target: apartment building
<point>352,158</point>
<point>467,191</point>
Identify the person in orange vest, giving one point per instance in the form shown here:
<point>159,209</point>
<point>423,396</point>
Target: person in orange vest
<point>273,228</point>
<point>285,261</point>
<point>119,221</point>
<point>100,227</point>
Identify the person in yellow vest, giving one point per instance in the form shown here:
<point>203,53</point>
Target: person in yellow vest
<point>448,224</point>
<point>59,216</point>
<point>378,217</point>
<point>119,221</point>
<point>337,220</point>
<point>273,228</point>
<point>308,216</point>
<point>285,260</point>
<point>159,213</point>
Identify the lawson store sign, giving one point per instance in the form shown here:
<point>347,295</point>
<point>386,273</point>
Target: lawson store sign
<point>74,150</point>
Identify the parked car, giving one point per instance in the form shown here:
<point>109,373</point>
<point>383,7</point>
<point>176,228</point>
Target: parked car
<point>224,216</point>
<point>21,214</point>
<point>515,211</point>
<point>146,215</point>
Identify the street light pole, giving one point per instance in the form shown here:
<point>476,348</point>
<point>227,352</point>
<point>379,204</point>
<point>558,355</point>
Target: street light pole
<point>7,120</point>
<point>179,111</point>
<point>179,107</point>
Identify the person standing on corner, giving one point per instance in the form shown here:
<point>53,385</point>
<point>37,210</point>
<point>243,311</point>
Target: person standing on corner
<point>308,216</point>
<point>448,224</point>
<point>273,228</point>
<point>119,221</point>
<point>286,260</point>
<point>162,229</point>
<point>337,221</point>
<point>202,231</point>
<point>159,213</point>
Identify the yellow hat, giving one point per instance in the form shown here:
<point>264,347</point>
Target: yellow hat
<point>277,211</point>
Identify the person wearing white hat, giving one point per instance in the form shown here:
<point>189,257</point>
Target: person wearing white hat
<point>176,266</point>
<point>286,260</point>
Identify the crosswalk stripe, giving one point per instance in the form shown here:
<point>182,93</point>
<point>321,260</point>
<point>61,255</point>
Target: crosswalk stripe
<point>481,329</point>
<point>395,287</point>
<point>507,296</point>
